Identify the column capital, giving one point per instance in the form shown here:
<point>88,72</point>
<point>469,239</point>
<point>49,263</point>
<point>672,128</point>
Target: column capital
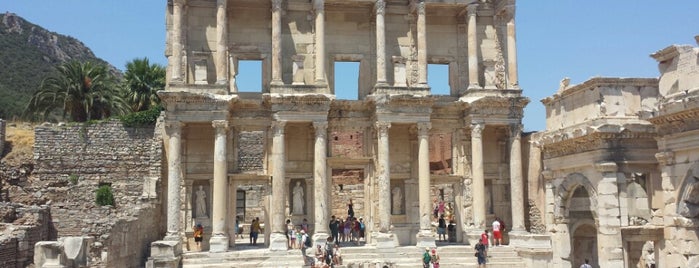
<point>666,158</point>
<point>606,167</point>
<point>276,5</point>
<point>516,130</point>
<point>220,124</point>
<point>472,10</point>
<point>173,128</point>
<point>318,5</point>
<point>418,6</point>
<point>179,2</point>
<point>321,128</point>
<point>423,128</point>
<point>547,174</point>
<point>380,7</point>
<point>278,127</point>
<point>221,3</point>
<point>477,130</point>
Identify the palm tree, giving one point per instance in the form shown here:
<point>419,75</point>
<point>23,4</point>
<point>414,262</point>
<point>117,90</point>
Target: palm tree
<point>142,81</point>
<point>83,91</point>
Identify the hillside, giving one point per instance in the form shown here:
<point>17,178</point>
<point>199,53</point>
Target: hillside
<point>28,54</point>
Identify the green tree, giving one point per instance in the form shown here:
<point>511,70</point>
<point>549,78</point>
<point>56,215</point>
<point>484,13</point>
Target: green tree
<point>142,81</point>
<point>82,91</point>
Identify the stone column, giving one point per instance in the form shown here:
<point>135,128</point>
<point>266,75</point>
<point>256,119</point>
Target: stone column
<point>384,179</point>
<point>610,246</point>
<point>278,198</point>
<point>277,42</point>
<point>511,48</point>
<point>421,43</point>
<point>320,182</point>
<point>176,63</point>
<point>219,234</point>
<point>516,184</point>
<point>319,6</point>
<point>425,238</point>
<point>380,43</point>
<point>472,46</point>
<point>477,174</point>
<point>173,130</point>
<point>221,42</point>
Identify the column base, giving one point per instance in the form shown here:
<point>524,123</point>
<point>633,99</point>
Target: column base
<point>426,238</point>
<point>278,242</point>
<point>218,243</point>
<point>277,83</point>
<point>474,86</point>
<point>165,254</point>
<point>222,82</point>
<point>172,237</point>
<point>385,240</point>
<point>472,235</point>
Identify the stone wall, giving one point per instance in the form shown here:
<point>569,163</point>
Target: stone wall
<point>22,226</point>
<point>72,161</point>
<point>3,125</point>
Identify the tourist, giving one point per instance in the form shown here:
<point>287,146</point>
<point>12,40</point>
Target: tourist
<point>451,231</point>
<point>434,258</point>
<point>304,225</point>
<point>480,254</point>
<point>441,207</point>
<point>337,255</point>
<point>238,230</point>
<point>288,231</point>
<point>298,237</point>
<point>254,231</point>
<point>329,246</point>
<point>334,228</point>
<point>198,234</point>
<point>497,232</point>
<point>292,238</point>
<point>586,264</point>
<point>484,240</point>
<point>362,228</point>
<point>426,258</point>
<point>347,229</point>
<point>304,245</point>
<point>319,256</point>
<point>355,231</point>
<point>442,228</point>
<point>350,209</point>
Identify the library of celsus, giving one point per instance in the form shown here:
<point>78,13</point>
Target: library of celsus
<point>614,177</point>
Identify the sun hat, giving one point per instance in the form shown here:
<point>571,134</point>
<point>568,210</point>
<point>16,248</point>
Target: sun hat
<point>427,249</point>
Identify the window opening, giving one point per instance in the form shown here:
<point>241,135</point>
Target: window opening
<point>438,79</point>
<point>249,78</point>
<point>346,80</point>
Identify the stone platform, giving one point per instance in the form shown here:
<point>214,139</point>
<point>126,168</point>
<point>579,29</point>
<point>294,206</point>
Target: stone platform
<point>363,256</point>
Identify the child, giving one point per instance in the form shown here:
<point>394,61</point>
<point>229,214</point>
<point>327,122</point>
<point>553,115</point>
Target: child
<point>292,237</point>
<point>198,235</point>
<point>434,258</point>
<point>299,233</point>
<point>484,241</point>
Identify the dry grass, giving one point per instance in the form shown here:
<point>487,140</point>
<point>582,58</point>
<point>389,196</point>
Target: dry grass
<point>20,143</point>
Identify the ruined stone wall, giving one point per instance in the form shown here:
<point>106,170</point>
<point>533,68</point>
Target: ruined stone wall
<point>3,125</point>
<point>73,161</point>
<point>22,226</point>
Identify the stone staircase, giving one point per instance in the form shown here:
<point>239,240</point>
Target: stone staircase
<point>354,257</point>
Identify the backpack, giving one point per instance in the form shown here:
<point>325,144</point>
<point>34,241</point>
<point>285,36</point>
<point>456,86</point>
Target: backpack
<point>308,242</point>
<point>361,226</point>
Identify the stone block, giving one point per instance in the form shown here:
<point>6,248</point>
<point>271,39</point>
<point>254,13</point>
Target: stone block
<point>607,201</point>
<point>607,188</point>
<point>218,244</point>
<point>278,243</point>
<point>76,249</point>
<point>49,254</point>
<point>425,238</point>
<point>385,240</point>
<point>165,249</point>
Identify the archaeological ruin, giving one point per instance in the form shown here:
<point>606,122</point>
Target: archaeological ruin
<point>614,177</point>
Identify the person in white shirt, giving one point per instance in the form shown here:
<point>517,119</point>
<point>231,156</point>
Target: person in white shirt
<point>586,264</point>
<point>497,235</point>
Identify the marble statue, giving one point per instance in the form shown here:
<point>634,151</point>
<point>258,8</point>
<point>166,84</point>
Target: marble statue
<point>397,200</point>
<point>298,199</point>
<point>201,203</point>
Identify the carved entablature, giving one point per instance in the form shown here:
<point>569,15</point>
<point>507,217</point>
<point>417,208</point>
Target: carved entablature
<point>299,103</point>
<point>213,101</point>
<point>562,143</point>
<point>506,107</point>
<point>677,122</point>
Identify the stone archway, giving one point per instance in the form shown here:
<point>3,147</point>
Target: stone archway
<point>566,190</point>
<point>688,196</point>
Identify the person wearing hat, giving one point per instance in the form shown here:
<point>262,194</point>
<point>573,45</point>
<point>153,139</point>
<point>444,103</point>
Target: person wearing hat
<point>426,258</point>
<point>434,258</point>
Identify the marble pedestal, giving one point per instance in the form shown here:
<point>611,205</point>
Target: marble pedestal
<point>320,239</point>
<point>426,238</point>
<point>218,243</point>
<point>385,240</point>
<point>278,243</point>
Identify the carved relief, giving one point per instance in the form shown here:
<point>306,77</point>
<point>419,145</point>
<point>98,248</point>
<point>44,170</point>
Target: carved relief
<point>688,206</point>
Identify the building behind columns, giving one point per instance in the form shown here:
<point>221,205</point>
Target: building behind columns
<point>396,151</point>
<point>614,175</point>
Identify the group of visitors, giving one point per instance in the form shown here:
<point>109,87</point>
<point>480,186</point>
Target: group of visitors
<point>349,230</point>
<point>482,245</point>
<point>430,260</point>
<point>327,255</point>
<point>294,233</point>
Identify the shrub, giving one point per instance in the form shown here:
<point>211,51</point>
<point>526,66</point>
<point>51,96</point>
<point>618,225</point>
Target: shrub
<point>105,196</point>
<point>73,179</point>
<point>142,118</point>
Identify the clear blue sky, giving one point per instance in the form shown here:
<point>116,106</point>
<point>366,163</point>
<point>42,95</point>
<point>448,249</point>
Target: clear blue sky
<point>579,39</point>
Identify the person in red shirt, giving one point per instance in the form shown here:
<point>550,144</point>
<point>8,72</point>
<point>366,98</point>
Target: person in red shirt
<point>484,241</point>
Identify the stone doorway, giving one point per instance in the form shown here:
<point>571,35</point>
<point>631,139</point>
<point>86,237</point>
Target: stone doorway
<point>584,245</point>
<point>347,184</point>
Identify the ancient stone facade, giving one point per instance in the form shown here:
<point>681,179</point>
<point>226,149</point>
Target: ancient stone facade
<point>73,161</point>
<point>606,174</point>
<point>22,226</point>
<point>407,150</point>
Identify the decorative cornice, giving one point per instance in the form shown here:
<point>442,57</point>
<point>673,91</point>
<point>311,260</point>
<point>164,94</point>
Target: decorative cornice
<point>676,122</point>
<point>606,167</point>
<point>600,82</point>
<point>666,53</point>
<point>560,145</point>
